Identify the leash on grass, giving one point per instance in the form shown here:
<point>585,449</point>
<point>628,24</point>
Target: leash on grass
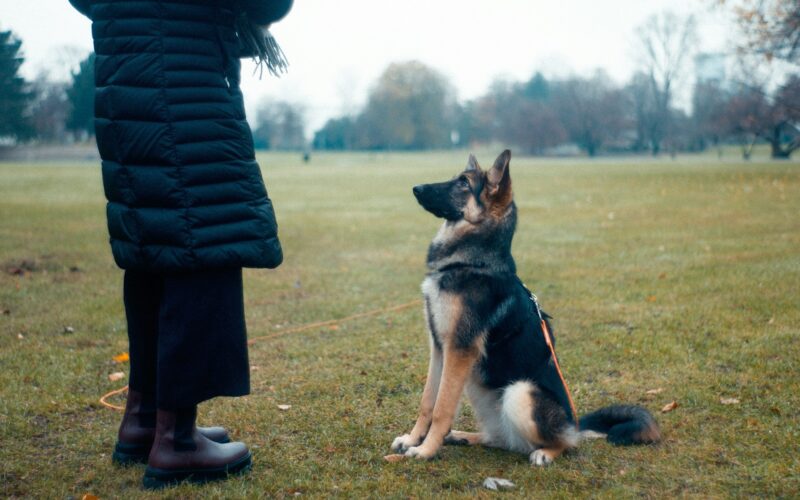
<point>549,341</point>
<point>298,329</point>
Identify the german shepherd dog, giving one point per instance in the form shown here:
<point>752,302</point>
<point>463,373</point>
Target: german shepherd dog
<point>486,336</point>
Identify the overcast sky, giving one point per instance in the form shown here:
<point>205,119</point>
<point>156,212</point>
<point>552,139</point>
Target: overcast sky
<point>337,48</point>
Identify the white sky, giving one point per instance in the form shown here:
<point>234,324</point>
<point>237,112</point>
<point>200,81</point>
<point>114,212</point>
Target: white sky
<point>337,48</point>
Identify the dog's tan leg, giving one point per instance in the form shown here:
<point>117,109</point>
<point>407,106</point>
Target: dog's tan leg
<point>417,434</point>
<point>463,438</point>
<point>456,369</point>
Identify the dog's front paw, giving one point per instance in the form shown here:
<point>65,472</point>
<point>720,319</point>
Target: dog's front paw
<point>404,442</point>
<point>420,453</point>
<point>540,458</point>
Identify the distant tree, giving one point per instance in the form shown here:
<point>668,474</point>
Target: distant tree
<point>751,114</point>
<point>410,107</point>
<point>783,134</point>
<point>666,42</point>
<point>336,134</point>
<point>642,111</point>
<point>14,94</point>
<point>591,110</point>
<point>522,115</point>
<point>746,117</point>
<point>533,126</point>
<point>279,125</point>
<point>709,117</point>
<point>475,121</point>
<point>537,88</point>
<point>80,95</point>
<point>49,109</point>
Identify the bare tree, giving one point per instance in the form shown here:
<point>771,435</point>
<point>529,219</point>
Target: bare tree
<point>279,125</point>
<point>771,28</point>
<point>666,43</point>
<point>591,110</point>
<point>50,108</point>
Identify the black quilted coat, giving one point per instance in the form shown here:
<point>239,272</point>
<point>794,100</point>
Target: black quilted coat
<point>183,187</point>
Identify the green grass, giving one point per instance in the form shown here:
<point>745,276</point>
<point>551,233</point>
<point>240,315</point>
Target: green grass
<point>683,276</point>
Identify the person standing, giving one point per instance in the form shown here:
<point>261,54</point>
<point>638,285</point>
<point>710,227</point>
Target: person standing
<point>187,210</point>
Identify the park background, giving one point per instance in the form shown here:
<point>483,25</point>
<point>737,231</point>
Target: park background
<point>658,203</point>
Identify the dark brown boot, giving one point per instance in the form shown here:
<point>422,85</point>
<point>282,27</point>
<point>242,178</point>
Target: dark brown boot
<point>138,429</point>
<point>181,453</point>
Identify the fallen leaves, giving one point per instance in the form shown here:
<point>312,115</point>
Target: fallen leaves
<point>116,376</point>
<point>394,458</point>
<point>21,268</point>
<point>651,298</point>
<point>68,330</point>
<point>89,496</point>
<point>284,407</point>
<point>657,390</point>
<point>729,401</point>
<point>669,407</point>
<point>121,358</point>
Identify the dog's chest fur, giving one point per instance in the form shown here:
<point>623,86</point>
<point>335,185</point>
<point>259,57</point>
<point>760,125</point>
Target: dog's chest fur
<point>441,309</point>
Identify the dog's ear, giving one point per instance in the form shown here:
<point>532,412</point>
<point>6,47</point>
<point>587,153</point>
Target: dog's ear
<point>498,176</point>
<point>472,163</point>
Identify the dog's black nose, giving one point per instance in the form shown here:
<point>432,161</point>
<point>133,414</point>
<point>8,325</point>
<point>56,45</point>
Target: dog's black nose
<point>417,190</point>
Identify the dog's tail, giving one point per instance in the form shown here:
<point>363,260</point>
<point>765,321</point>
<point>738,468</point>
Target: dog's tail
<point>621,425</point>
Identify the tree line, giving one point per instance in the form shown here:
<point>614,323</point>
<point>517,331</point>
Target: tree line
<point>595,114</point>
<point>412,106</point>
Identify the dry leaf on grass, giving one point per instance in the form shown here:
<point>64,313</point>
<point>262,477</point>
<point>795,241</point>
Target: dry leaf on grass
<point>116,376</point>
<point>394,458</point>
<point>657,390</point>
<point>651,298</point>
<point>121,358</point>
<point>284,407</point>
<point>69,329</point>
<point>89,496</point>
<point>669,407</point>
<point>729,401</point>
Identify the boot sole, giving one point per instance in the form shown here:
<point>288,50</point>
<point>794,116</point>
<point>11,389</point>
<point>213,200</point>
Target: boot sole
<point>155,478</point>
<point>127,454</point>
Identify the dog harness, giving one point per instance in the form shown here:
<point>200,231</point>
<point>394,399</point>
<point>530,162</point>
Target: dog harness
<point>549,341</point>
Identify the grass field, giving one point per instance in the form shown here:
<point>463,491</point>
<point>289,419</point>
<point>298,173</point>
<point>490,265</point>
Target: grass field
<point>681,276</point>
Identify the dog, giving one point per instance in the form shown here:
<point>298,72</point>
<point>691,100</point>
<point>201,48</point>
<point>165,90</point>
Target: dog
<point>486,336</point>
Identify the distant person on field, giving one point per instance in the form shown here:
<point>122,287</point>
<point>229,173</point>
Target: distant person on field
<point>187,210</point>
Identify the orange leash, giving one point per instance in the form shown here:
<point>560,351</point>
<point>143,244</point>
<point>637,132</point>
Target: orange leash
<point>332,322</point>
<point>558,369</point>
<point>298,329</point>
<point>113,393</point>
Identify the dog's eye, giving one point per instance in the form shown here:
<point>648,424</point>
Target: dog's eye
<point>463,182</point>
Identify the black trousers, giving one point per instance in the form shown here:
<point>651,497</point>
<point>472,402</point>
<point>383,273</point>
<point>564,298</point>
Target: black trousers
<point>188,341</point>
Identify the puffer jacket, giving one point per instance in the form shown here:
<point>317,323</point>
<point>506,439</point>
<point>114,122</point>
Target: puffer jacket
<point>179,171</point>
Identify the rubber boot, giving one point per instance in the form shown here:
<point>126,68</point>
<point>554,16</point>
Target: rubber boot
<point>138,430</point>
<point>181,453</point>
